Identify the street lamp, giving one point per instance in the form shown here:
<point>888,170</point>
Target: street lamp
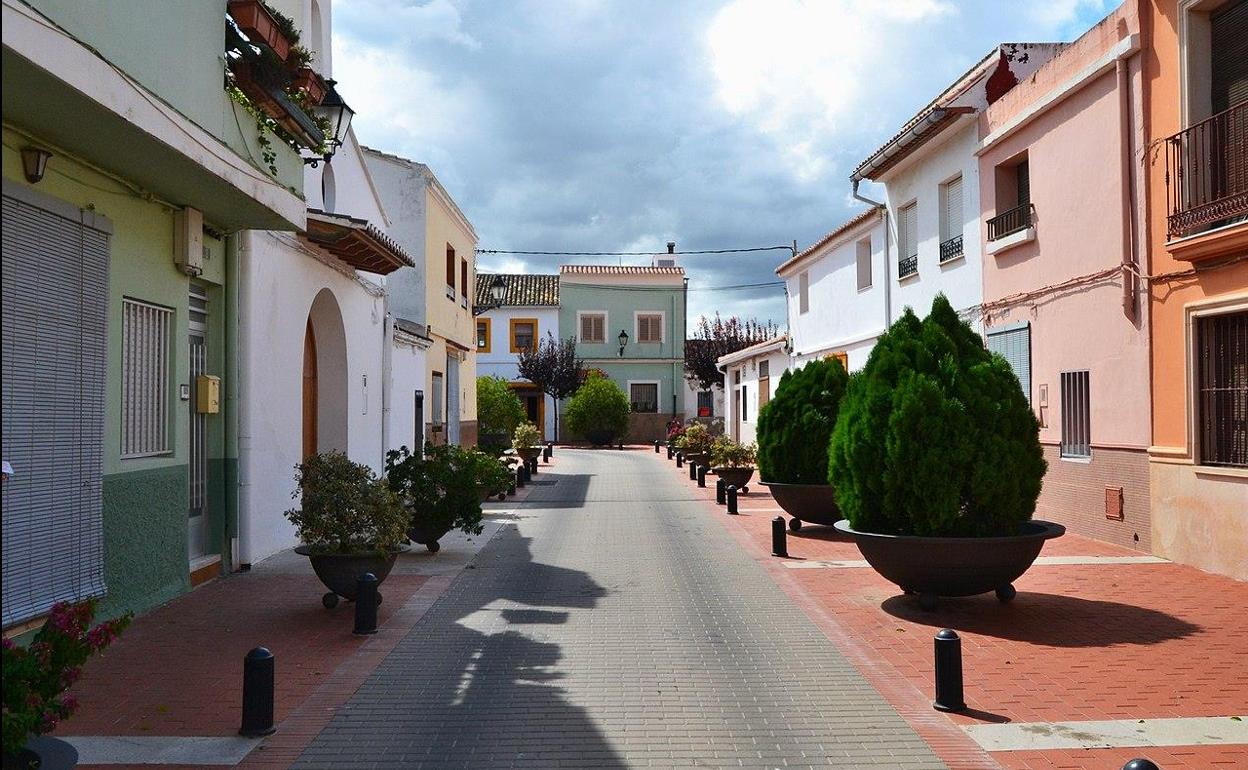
<point>623,341</point>
<point>336,112</point>
<point>497,288</point>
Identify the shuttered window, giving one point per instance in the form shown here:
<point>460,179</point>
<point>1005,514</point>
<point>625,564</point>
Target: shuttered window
<point>1229,59</point>
<point>803,292</point>
<point>863,260</point>
<point>450,270</point>
<point>764,383</point>
<point>145,337</point>
<point>908,241</point>
<point>951,220</point>
<point>439,393</point>
<point>1076,415</point>
<point>650,327</point>
<point>55,281</point>
<point>594,327</point>
<point>1014,344</point>
<point>1022,173</point>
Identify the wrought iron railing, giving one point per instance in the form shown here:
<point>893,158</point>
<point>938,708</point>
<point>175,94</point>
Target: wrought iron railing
<point>1207,172</point>
<point>951,249</point>
<point>908,266</point>
<point>1009,222</point>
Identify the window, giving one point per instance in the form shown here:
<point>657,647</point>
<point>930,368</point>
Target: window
<point>644,396</point>
<point>841,356</point>
<point>1013,198</point>
<point>1014,344</point>
<point>450,271</point>
<point>523,332</point>
<point>706,403</point>
<point>863,259</point>
<point>439,396</point>
<point>145,331</point>
<point>764,383</point>
<point>803,292</point>
<point>649,327</point>
<point>483,335</point>
<point>951,220</point>
<point>1221,381</point>
<point>593,327</point>
<point>908,240</point>
<point>745,392</point>
<point>1076,415</point>
<point>463,282</point>
<point>736,376</point>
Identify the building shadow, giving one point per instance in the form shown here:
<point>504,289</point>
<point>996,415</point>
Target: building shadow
<point>1046,619</point>
<point>821,532</point>
<point>558,490</point>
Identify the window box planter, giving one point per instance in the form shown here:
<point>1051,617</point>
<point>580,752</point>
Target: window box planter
<point>809,503</point>
<point>930,567</point>
<point>259,25</point>
<point>736,477</point>
<point>312,84</point>
<point>340,571</point>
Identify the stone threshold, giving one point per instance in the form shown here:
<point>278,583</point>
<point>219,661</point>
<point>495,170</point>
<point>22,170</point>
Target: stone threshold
<point>1113,733</point>
<point>1041,561</point>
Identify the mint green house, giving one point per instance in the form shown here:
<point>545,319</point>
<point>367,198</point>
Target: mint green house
<point>127,173</point>
<point>629,321</point>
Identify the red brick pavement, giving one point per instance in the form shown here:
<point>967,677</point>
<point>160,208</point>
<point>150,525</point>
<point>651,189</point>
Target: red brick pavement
<point>1080,642</point>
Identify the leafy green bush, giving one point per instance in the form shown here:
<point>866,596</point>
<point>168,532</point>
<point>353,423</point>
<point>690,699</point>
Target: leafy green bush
<point>526,436</point>
<point>935,437</point>
<point>795,425</point>
<point>726,453</point>
<point>696,439</point>
<point>499,411</point>
<point>492,474</point>
<point>344,507</point>
<point>598,410</point>
<point>442,490</point>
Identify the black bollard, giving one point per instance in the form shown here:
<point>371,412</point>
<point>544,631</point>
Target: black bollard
<point>524,468</point>
<point>656,446</point>
<point>720,494</point>
<point>519,477</point>
<point>779,546</point>
<point>948,648</point>
<point>257,694</point>
<point>702,476</point>
<point>546,453</point>
<point>550,448</point>
<point>511,488</point>
<point>732,498</point>
<point>1141,764</point>
<point>693,471</point>
<point>366,605</point>
<point>669,451</point>
<point>532,467</point>
<point>680,459</point>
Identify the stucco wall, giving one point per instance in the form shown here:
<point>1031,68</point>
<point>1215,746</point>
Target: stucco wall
<point>1200,517</point>
<point>746,431</point>
<point>408,367</point>
<point>499,361</point>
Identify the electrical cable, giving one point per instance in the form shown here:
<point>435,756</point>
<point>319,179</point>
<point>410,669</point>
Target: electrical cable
<point>632,253</point>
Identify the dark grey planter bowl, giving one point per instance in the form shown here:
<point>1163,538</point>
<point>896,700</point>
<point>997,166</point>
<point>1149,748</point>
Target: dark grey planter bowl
<point>340,571</point>
<point>953,566</point>
<point>600,437</point>
<point>43,752</point>
<point>698,458</point>
<point>738,477</point>
<point>812,503</point>
<point>529,452</point>
<point>427,535</point>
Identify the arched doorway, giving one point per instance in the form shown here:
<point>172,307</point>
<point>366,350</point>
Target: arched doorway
<point>324,378</point>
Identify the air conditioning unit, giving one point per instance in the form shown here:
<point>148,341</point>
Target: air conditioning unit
<point>188,241</point>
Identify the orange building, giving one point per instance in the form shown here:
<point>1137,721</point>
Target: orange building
<point>1196,187</point>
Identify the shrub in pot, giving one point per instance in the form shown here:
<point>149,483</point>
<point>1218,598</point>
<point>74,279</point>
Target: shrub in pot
<point>349,522</point>
<point>527,440</point>
<point>492,474</point>
<point>440,491</point>
<point>696,442</point>
<point>936,440</point>
<point>733,462</point>
<point>499,411</point>
<point>794,428</point>
<point>598,411</point>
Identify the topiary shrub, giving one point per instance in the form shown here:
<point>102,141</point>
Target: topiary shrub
<point>598,411</point>
<point>795,425</point>
<point>344,507</point>
<point>935,437</point>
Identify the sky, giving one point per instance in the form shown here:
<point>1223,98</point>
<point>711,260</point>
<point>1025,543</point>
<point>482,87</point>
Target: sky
<point>620,125</point>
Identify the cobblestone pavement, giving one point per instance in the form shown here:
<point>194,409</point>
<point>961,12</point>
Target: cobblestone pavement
<point>615,624</point>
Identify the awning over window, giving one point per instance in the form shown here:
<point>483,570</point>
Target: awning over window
<point>356,242</point>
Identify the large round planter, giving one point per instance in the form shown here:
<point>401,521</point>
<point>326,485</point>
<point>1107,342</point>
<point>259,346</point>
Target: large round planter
<point>697,458</point>
<point>811,503</point>
<point>426,534</point>
<point>600,437</point>
<point>45,753</point>
<point>340,571</point>
<point>529,452</point>
<point>954,566</point>
<point>736,477</point>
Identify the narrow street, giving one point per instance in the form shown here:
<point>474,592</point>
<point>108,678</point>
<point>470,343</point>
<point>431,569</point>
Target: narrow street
<point>613,623</point>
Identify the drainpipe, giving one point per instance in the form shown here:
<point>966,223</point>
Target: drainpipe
<point>1126,184</point>
<point>246,248</point>
<point>231,402</point>
<point>888,271</point>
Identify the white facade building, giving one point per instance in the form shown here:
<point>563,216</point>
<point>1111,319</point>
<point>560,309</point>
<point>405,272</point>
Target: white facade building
<point>704,404</point>
<point>529,314</point>
<point>751,376</point>
<point>838,292</point>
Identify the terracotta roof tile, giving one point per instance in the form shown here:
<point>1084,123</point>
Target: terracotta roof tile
<point>825,240</point>
<point>522,289</point>
<point>619,270</point>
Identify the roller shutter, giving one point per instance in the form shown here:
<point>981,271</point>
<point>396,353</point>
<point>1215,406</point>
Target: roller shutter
<point>1014,344</point>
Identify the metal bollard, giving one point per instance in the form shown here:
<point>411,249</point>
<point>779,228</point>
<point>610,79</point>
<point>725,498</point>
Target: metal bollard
<point>257,694</point>
<point>550,448</point>
<point>720,494</point>
<point>779,546</point>
<point>546,453</point>
<point>532,467</point>
<point>732,498</point>
<point>1141,764</point>
<point>669,451</point>
<point>524,467</point>
<point>366,605</point>
<point>656,446</point>
<point>948,649</point>
<point>680,459</point>
<point>519,477</point>
<point>693,471</point>
<point>511,488</point>
<point>702,476</point>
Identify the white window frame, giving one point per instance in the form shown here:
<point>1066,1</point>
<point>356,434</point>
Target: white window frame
<point>658,394</point>
<point>637,314</point>
<point>579,327</point>
<point>803,292</point>
<point>159,381</point>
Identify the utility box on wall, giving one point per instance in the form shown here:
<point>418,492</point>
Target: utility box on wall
<point>188,241</point>
<point>208,394</point>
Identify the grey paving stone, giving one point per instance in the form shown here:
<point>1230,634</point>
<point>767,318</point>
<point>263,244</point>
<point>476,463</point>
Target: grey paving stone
<point>610,622</point>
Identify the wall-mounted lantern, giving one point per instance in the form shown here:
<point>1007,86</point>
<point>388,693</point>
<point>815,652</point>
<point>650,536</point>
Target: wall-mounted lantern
<point>338,114</point>
<point>623,341</point>
<point>34,163</point>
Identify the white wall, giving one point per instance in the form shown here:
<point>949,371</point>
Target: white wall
<point>403,187</point>
<point>407,375</point>
<point>501,362</point>
<point>747,429</point>
<point>691,400</point>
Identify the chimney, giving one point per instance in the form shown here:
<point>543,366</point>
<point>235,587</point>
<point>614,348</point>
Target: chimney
<point>671,247</point>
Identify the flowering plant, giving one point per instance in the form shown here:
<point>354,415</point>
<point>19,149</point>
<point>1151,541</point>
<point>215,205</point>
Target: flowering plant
<point>674,431</point>
<point>696,439</point>
<point>36,677</point>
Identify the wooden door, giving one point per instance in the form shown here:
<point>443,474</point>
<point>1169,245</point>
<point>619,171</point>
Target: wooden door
<point>310,403</point>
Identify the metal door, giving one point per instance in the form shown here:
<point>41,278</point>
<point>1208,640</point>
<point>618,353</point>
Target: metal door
<point>197,529</point>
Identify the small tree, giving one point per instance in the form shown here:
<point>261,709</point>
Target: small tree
<point>553,367</point>
<point>599,411</point>
<point>796,424</point>
<point>499,411</point>
<point>715,339</point>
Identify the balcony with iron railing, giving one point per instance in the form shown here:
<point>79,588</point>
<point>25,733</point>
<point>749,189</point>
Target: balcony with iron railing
<point>908,266</point>
<point>1009,222</point>
<point>1207,173</point>
<point>951,249</point>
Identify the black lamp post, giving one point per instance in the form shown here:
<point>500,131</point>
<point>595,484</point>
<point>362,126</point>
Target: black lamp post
<point>623,341</point>
<point>334,110</point>
<point>497,289</point>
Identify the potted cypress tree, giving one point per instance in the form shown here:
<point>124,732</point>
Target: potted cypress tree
<point>349,522</point>
<point>793,432</point>
<point>937,464</point>
<point>733,462</point>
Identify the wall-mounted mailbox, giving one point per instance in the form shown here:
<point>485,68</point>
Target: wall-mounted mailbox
<point>208,394</point>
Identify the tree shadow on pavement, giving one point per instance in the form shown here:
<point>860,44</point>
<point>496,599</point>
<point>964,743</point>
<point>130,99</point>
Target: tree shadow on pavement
<point>1051,620</point>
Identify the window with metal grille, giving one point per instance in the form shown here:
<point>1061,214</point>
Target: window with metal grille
<point>1222,388</point>
<point>803,292</point>
<point>863,260</point>
<point>644,396</point>
<point>1076,415</point>
<point>706,403</point>
<point>145,330</point>
<point>650,327</point>
<point>594,327</point>
<point>951,220</point>
<point>908,240</point>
